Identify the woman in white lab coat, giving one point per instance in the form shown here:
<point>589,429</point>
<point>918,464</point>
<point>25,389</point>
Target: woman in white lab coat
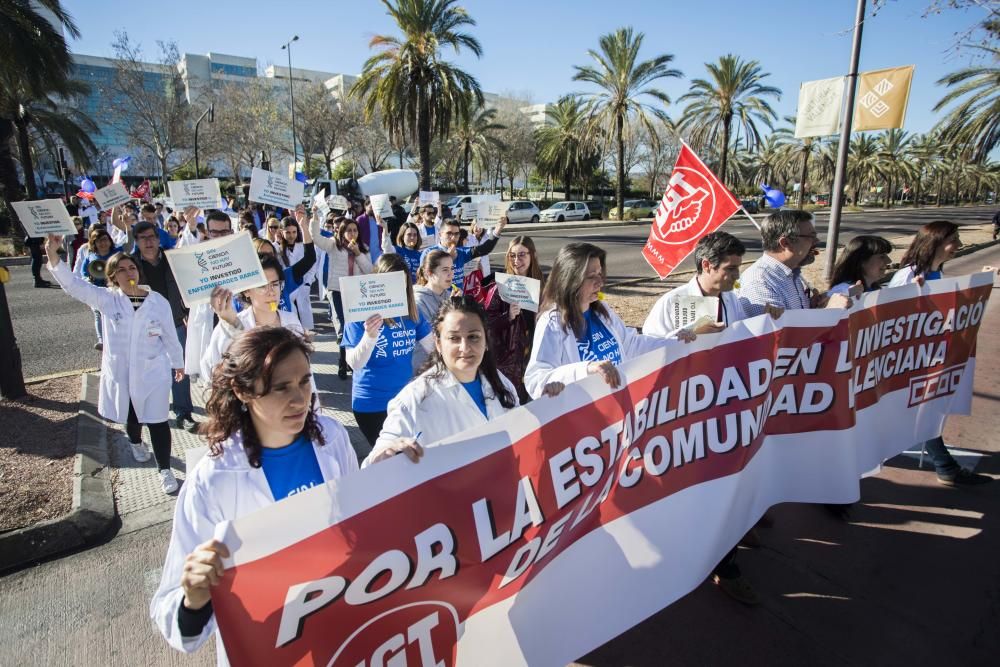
<point>140,349</point>
<point>576,333</point>
<point>266,443</point>
<point>460,389</point>
<point>262,310</point>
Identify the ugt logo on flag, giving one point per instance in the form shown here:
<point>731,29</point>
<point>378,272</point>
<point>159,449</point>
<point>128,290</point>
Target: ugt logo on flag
<point>695,203</point>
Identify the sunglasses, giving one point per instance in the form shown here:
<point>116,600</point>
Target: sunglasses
<point>273,227</point>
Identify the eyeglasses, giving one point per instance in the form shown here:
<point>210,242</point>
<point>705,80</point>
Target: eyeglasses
<point>273,286</point>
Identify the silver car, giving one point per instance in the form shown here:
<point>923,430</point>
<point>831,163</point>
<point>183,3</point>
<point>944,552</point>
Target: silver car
<point>565,210</point>
<point>522,211</point>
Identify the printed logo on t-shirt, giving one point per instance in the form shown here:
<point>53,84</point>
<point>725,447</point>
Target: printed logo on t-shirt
<point>301,488</point>
<point>598,344</point>
<point>399,341</point>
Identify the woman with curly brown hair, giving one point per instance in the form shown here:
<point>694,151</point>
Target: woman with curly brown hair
<point>266,443</point>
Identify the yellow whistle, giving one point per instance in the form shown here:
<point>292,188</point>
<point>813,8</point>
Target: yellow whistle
<point>131,283</point>
<point>273,305</point>
<point>600,296</point>
<point>455,291</point>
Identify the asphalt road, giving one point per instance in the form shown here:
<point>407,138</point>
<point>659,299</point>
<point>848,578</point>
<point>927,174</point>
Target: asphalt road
<point>883,589</point>
<point>56,334</point>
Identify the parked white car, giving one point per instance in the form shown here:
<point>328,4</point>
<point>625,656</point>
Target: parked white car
<point>565,210</point>
<point>523,211</point>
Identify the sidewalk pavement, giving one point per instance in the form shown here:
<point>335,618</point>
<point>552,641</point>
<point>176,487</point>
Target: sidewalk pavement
<point>140,500</point>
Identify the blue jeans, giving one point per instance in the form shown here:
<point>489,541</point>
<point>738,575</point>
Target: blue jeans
<point>944,463</point>
<point>180,392</point>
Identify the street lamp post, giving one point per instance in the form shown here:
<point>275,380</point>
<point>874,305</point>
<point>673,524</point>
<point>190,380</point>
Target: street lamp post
<point>287,46</point>
<point>210,112</point>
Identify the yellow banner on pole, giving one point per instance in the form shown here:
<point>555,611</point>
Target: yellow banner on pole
<point>882,98</point>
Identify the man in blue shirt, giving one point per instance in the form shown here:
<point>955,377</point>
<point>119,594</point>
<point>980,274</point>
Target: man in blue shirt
<point>448,242</point>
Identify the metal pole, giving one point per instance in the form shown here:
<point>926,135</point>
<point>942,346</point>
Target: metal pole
<point>291,99</point>
<point>845,144</point>
<point>210,112</point>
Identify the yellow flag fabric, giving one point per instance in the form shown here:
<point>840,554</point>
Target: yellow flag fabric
<point>882,98</point>
<point>819,108</point>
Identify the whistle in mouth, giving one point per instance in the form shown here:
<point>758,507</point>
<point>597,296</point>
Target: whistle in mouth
<point>273,305</point>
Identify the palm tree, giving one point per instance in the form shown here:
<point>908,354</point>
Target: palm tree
<point>893,146</point>
<point>862,163</point>
<point>622,82</point>
<point>975,120</point>
<point>735,92</point>
<point>475,133</point>
<point>35,89</point>
<point>419,93</point>
<point>923,152</point>
<point>562,142</point>
<point>795,150</point>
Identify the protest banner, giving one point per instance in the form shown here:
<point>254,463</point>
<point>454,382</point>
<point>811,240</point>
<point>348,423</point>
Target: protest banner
<point>381,205</point>
<point>375,293</point>
<point>229,262</point>
<point>111,196</point>
<point>433,197</point>
<point>202,193</point>
<point>337,202</point>
<point>819,108</point>
<point>470,210</point>
<point>541,535</point>
<point>267,187</point>
<point>42,217</point>
<point>488,213</point>
<point>320,205</point>
<point>695,203</point>
<point>521,290</point>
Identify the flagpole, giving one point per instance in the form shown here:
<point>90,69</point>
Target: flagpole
<point>833,232</point>
<point>750,218</point>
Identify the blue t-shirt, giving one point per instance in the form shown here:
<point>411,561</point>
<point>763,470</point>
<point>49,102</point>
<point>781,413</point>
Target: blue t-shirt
<point>598,344</point>
<point>292,468</point>
<point>390,366</point>
<point>932,275</point>
<point>475,389</point>
<point>462,257</point>
<point>412,259</point>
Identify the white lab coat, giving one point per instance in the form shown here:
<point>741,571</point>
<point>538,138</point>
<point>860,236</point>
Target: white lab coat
<point>225,488</point>
<point>436,408</point>
<point>903,276</point>
<point>199,334</point>
<point>141,349</point>
<point>223,336</point>
<point>660,321</point>
<point>555,356</point>
<point>339,264</point>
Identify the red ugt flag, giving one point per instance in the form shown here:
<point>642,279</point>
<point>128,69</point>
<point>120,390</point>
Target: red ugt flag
<point>695,203</point>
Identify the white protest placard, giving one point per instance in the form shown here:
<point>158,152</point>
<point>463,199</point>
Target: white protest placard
<point>337,202</point>
<point>691,310</point>
<point>490,212</point>
<point>229,262</point>
<point>112,196</point>
<point>375,293</point>
<point>470,210</point>
<point>203,193</point>
<point>267,187</point>
<point>520,290</point>
<point>319,203</point>
<point>433,197</point>
<point>381,205</point>
<point>48,216</point>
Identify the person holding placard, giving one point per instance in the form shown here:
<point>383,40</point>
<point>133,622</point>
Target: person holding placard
<point>99,250</point>
<point>448,241</point>
<point>428,220</point>
<point>263,311</point>
<point>292,249</point>
<point>266,443</point>
<point>407,246</point>
<point>292,274</point>
<point>512,327</point>
<point>381,354</point>
<point>861,266</point>
<point>460,389</point>
<point>577,334</point>
<point>717,260</point>
<point>348,256</point>
<point>141,348</point>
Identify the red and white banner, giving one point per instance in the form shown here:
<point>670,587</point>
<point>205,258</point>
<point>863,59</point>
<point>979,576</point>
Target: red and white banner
<point>544,534</point>
<point>695,203</point>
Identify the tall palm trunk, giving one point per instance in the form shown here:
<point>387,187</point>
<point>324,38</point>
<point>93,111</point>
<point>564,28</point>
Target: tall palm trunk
<point>9,185</point>
<point>466,154</point>
<point>424,138</point>
<point>24,150</point>
<point>802,176</point>
<point>726,121</point>
<point>940,189</point>
<point>620,185</point>
<point>566,184</point>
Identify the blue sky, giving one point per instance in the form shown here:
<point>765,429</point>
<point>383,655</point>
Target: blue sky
<point>530,47</point>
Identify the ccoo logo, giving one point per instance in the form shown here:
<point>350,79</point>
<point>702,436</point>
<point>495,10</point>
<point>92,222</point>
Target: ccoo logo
<point>420,634</point>
<point>687,208</point>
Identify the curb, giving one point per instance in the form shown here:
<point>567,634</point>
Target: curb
<point>93,501</point>
<point>15,261</point>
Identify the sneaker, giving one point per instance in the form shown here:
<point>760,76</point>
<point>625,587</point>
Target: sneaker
<point>167,481</point>
<point>179,422</point>
<point>140,452</point>
<point>41,282</point>
<point>738,589</point>
<point>965,477</point>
